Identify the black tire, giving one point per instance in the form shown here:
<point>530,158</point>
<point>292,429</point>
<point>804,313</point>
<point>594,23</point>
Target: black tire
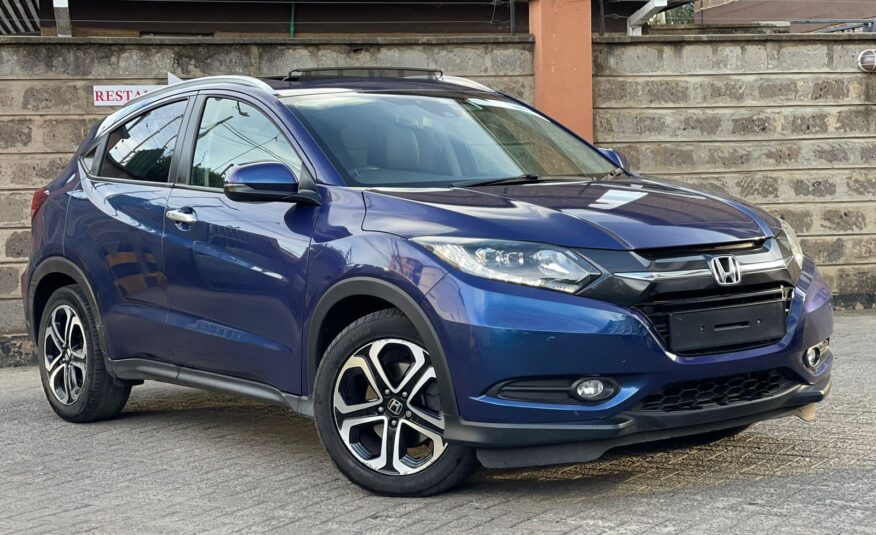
<point>98,396</point>
<point>453,465</point>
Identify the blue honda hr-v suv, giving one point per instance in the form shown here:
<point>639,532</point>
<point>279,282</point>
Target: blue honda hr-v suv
<point>437,273</point>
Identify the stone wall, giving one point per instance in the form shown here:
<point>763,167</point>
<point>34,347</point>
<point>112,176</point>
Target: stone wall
<point>46,105</point>
<point>785,121</point>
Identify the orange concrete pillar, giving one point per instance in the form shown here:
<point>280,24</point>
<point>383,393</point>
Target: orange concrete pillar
<point>564,62</point>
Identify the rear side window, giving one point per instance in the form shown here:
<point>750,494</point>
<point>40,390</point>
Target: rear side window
<point>233,133</point>
<point>142,148</point>
<point>88,159</point>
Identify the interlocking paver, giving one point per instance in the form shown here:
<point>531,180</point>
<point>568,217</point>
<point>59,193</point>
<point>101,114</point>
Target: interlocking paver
<point>183,461</point>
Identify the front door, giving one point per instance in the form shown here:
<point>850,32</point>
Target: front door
<point>235,270</point>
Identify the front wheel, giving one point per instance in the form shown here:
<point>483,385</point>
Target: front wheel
<point>378,410</point>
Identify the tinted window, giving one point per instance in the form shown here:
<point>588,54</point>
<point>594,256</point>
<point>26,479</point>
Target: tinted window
<point>88,159</point>
<point>379,139</point>
<point>233,133</point>
<point>142,148</point>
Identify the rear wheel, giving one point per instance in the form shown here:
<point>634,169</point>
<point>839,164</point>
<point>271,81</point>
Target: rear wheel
<point>72,367</point>
<point>378,410</point>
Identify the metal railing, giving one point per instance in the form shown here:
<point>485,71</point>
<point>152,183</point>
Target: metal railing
<point>23,16</point>
<point>842,25</point>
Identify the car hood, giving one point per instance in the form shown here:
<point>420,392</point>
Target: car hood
<point>632,213</point>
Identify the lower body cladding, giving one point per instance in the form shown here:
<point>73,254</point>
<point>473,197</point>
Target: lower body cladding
<point>518,362</point>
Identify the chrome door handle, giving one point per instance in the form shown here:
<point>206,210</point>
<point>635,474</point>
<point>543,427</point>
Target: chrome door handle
<point>182,217</point>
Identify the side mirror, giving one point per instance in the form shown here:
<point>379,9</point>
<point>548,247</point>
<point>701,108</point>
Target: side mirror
<point>616,157</point>
<point>266,181</point>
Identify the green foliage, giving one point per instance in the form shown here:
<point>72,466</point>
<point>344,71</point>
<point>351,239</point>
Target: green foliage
<point>679,15</point>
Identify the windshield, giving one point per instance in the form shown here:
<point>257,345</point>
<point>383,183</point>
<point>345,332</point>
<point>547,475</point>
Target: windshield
<point>378,139</point>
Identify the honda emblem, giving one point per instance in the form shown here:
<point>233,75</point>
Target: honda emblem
<point>725,270</point>
<point>395,407</point>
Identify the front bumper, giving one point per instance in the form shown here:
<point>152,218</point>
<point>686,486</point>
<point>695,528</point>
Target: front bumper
<point>509,445</point>
<point>494,332</point>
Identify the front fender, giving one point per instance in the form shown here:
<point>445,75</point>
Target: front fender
<point>401,299</point>
<point>378,265</point>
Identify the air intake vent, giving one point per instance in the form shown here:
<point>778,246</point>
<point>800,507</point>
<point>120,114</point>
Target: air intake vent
<point>719,392</point>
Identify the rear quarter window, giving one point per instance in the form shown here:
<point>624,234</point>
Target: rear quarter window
<point>142,148</point>
<point>88,159</point>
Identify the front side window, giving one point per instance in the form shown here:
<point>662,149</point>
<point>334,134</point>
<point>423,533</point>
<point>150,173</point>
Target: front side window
<point>234,133</point>
<point>142,148</point>
<point>419,140</point>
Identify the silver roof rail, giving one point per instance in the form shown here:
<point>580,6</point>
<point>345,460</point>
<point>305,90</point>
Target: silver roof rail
<point>250,81</point>
<point>465,82</point>
<point>205,80</point>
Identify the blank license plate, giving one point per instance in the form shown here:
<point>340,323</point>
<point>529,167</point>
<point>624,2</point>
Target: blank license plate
<point>719,327</point>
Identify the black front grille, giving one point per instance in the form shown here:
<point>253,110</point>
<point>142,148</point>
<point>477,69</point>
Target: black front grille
<point>719,392</point>
<point>660,307</point>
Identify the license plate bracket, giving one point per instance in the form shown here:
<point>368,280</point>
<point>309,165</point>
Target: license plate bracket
<point>726,326</point>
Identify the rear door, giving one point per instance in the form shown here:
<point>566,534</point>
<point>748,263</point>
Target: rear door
<point>236,274</point>
<point>115,226</point>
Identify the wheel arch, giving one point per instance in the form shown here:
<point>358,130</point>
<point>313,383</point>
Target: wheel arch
<point>51,274</point>
<point>393,296</point>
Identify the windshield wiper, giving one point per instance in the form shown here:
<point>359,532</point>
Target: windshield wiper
<point>520,179</point>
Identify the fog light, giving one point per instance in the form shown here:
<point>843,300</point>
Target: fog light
<point>594,388</point>
<point>815,355</point>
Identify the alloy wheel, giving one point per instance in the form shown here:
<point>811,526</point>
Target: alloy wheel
<point>64,354</point>
<point>387,407</point>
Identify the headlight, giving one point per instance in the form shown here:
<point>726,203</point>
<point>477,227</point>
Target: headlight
<point>532,264</point>
<point>793,242</point>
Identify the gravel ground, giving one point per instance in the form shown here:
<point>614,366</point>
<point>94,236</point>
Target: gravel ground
<point>182,461</point>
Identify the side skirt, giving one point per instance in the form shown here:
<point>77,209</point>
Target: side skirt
<point>137,369</point>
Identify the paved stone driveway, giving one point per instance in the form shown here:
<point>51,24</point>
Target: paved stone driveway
<point>179,460</point>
